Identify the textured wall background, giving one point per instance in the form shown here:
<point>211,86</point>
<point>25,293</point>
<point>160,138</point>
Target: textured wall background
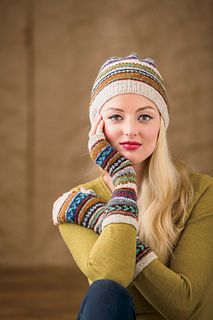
<point>50,52</point>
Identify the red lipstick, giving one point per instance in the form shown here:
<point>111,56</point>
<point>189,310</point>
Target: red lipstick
<point>131,145</point>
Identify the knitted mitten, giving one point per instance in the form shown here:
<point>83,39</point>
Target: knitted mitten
<point>122,208</point>
<point>80,207</point>
<point>89,210</point>
<point>144,255</point>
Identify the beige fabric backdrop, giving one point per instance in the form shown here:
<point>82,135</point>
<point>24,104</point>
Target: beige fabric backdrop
<point>50,52</point>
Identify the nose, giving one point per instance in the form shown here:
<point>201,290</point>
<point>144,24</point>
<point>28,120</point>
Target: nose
<point>130,128</point>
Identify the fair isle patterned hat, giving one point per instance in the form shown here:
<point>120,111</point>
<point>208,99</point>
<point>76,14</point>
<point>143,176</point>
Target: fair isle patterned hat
<point>129,74</point>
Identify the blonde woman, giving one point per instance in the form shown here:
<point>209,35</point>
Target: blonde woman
<point>142,231</point>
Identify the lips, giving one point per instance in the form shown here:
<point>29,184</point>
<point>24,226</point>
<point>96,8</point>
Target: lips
<point>131,145</point>
<point>131,142</point>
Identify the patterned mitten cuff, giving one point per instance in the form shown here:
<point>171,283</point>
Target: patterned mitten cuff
<point>144,255</point>
<point>122,208</point>
<point>105,156</point>
<point>82,208</point>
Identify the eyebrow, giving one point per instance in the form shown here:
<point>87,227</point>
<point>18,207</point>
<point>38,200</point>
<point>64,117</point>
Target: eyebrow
<point>142,108</point>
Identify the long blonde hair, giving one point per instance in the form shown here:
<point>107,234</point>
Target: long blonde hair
<point>166,193</point>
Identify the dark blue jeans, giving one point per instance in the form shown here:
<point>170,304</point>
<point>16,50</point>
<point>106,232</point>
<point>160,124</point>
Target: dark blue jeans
<point>107,300</point>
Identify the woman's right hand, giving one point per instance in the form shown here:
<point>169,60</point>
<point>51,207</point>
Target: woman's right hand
<point>97,126</point>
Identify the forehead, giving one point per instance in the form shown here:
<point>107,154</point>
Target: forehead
<point>128,102</point>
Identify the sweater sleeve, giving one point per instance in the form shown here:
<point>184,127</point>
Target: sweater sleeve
<point>103,256</point>
<point>109,255</point>
<point>176,291</point>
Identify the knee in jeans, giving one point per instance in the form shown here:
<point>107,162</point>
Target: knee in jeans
<point>107,299</point>
<point>110,289</point>
<point>106,285</point>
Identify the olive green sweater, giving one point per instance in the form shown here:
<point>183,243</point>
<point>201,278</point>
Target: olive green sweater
<point>184,289</point>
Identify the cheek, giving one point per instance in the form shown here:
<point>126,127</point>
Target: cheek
<point>110,132</point>
<point>152,136</point>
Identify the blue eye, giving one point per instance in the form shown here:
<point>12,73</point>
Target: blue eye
<point>145,117</point>
<point>115,117</point>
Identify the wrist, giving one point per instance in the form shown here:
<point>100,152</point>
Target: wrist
<point>124,177</point>
<point>105,156</point>
<point>144,256</point>
<point>144,262</point>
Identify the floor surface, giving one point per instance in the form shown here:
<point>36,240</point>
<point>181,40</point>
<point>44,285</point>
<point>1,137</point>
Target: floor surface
<point>41,294</point>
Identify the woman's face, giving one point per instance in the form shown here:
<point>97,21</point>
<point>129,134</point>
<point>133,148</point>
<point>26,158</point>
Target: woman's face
<point>131,117</point>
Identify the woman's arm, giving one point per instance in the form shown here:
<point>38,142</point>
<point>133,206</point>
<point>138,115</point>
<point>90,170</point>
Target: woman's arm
<point>110,255</point>
<point>176,291</point>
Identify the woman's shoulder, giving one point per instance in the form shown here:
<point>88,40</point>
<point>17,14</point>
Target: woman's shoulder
<point>200,181</point>
<point>202,202</point>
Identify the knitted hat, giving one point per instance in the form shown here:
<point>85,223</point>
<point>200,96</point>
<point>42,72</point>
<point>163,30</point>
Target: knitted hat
<point>129,74</point>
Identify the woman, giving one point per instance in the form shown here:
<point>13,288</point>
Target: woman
<point>142,231</point>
